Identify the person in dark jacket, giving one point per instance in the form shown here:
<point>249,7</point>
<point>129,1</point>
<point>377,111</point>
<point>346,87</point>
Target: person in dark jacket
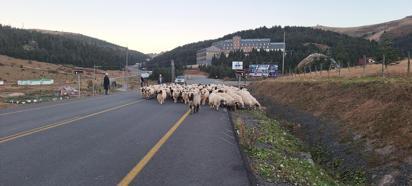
<point>106,84</point>
<point>141,81</point>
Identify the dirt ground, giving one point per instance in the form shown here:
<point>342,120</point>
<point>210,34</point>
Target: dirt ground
<point>12,69</point>
<point>195,72</point>
<point>373,112</point>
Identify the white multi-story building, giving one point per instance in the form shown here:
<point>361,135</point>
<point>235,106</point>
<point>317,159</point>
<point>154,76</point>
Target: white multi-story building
<point>205,56</point>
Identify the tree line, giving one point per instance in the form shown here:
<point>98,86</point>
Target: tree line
<point>64,49</point>
<point>300,42</point>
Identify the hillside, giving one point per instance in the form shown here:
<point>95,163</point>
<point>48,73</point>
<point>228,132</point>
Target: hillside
<point>14,69</point>
<point>397,31</point>
<point>64,48</point>
<point>301,41</point>
<point>392,29</point>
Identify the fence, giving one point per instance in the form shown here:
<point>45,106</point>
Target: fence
<point>400,69</point>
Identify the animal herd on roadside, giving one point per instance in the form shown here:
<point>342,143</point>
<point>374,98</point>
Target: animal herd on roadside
<point>195,95</point>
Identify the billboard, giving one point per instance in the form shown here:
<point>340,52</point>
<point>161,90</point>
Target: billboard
<point>263,70</point>
<point>237,65</point>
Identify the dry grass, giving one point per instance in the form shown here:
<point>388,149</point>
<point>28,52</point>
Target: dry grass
<point>195,72</point>
<point>379,111</point>
<point>12,69</point>
<point>371,70</point>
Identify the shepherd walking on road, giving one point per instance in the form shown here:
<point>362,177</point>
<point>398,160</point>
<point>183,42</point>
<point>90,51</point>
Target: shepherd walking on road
<point>160,81</point>
<point>141,81</point>
<point>106,84</point>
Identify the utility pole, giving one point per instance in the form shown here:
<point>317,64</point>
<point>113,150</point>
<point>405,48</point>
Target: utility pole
<point>383,66</point>
<point>77,72</point>
<point>94,78</point>
<point>125,69</point>
<point>339,67</point>
<point>364,65</point>
<point>284,49</point>
<point>172,65</point>
<point>409,63</point>
<point>78,80</point>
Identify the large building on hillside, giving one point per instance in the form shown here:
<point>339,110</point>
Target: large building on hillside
<point>205,56</point>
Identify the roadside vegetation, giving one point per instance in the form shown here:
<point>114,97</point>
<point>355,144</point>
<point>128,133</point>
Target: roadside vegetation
<point>364,122</point>
<point>275,155</point>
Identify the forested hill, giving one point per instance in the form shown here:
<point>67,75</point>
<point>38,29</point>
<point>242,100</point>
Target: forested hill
<point>64,48</point>
<point>300,42</point>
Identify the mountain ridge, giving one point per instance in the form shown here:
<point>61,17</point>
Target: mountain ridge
<point>64,48</point>
<point>390,29</point>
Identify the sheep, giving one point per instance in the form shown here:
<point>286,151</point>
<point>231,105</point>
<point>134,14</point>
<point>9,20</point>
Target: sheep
<point>215,100</point>
<point>228,101</point>
<point>185,97</point>
<point>204,96</point>
<point>161,96</point>
<point>176,94</point>
<point>238,99</point>
<point>194,102</point>
<point>215,95</point>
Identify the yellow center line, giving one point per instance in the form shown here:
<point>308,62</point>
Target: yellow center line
<point>57,124</point>
<point>142,163</point>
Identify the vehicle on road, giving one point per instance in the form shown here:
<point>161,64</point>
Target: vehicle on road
<point>180,80</point>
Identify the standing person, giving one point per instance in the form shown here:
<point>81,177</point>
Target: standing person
<point>106,83</point>
<point>160,81</point>
<point>141,81</point>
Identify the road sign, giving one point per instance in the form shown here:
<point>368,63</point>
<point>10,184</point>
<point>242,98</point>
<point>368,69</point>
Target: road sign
<point>237,65</point>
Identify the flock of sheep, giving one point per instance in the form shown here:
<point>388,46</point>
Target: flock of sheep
<point>215,95</point>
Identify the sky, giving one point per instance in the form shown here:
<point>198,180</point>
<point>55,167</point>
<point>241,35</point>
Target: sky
<point>153,26</point>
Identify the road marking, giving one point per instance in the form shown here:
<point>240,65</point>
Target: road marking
<point>37,108</point>
<point>228,135</point>
<point>61,123</point>
<point>142,163</point>
<point>227,141</point>
<point>49,106</point>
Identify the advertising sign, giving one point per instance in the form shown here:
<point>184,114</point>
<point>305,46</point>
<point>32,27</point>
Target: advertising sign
<point>237,65</point>
<point>263,70</point>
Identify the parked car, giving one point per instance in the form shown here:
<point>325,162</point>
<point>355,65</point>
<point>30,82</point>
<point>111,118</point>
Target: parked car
<point>180,80</point>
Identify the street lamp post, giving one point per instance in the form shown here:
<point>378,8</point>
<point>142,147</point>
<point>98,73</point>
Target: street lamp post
<point>94,78</point>
<point>283,56</point>
<point>125,70</point>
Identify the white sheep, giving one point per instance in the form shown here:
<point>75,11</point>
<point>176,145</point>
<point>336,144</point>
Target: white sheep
<point>161,96</point>
<point>194,102</point>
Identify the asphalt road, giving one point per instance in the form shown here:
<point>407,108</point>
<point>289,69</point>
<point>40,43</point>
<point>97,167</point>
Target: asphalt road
<point>101,140</point>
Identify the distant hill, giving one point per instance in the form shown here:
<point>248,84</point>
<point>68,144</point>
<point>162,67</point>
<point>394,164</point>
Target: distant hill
<point>391,29</point>
<point>64,48</point>
<point>398,31</point>
<point>300,42</point>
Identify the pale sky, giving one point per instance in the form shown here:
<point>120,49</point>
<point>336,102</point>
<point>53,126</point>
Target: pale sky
<point>160,25</point>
